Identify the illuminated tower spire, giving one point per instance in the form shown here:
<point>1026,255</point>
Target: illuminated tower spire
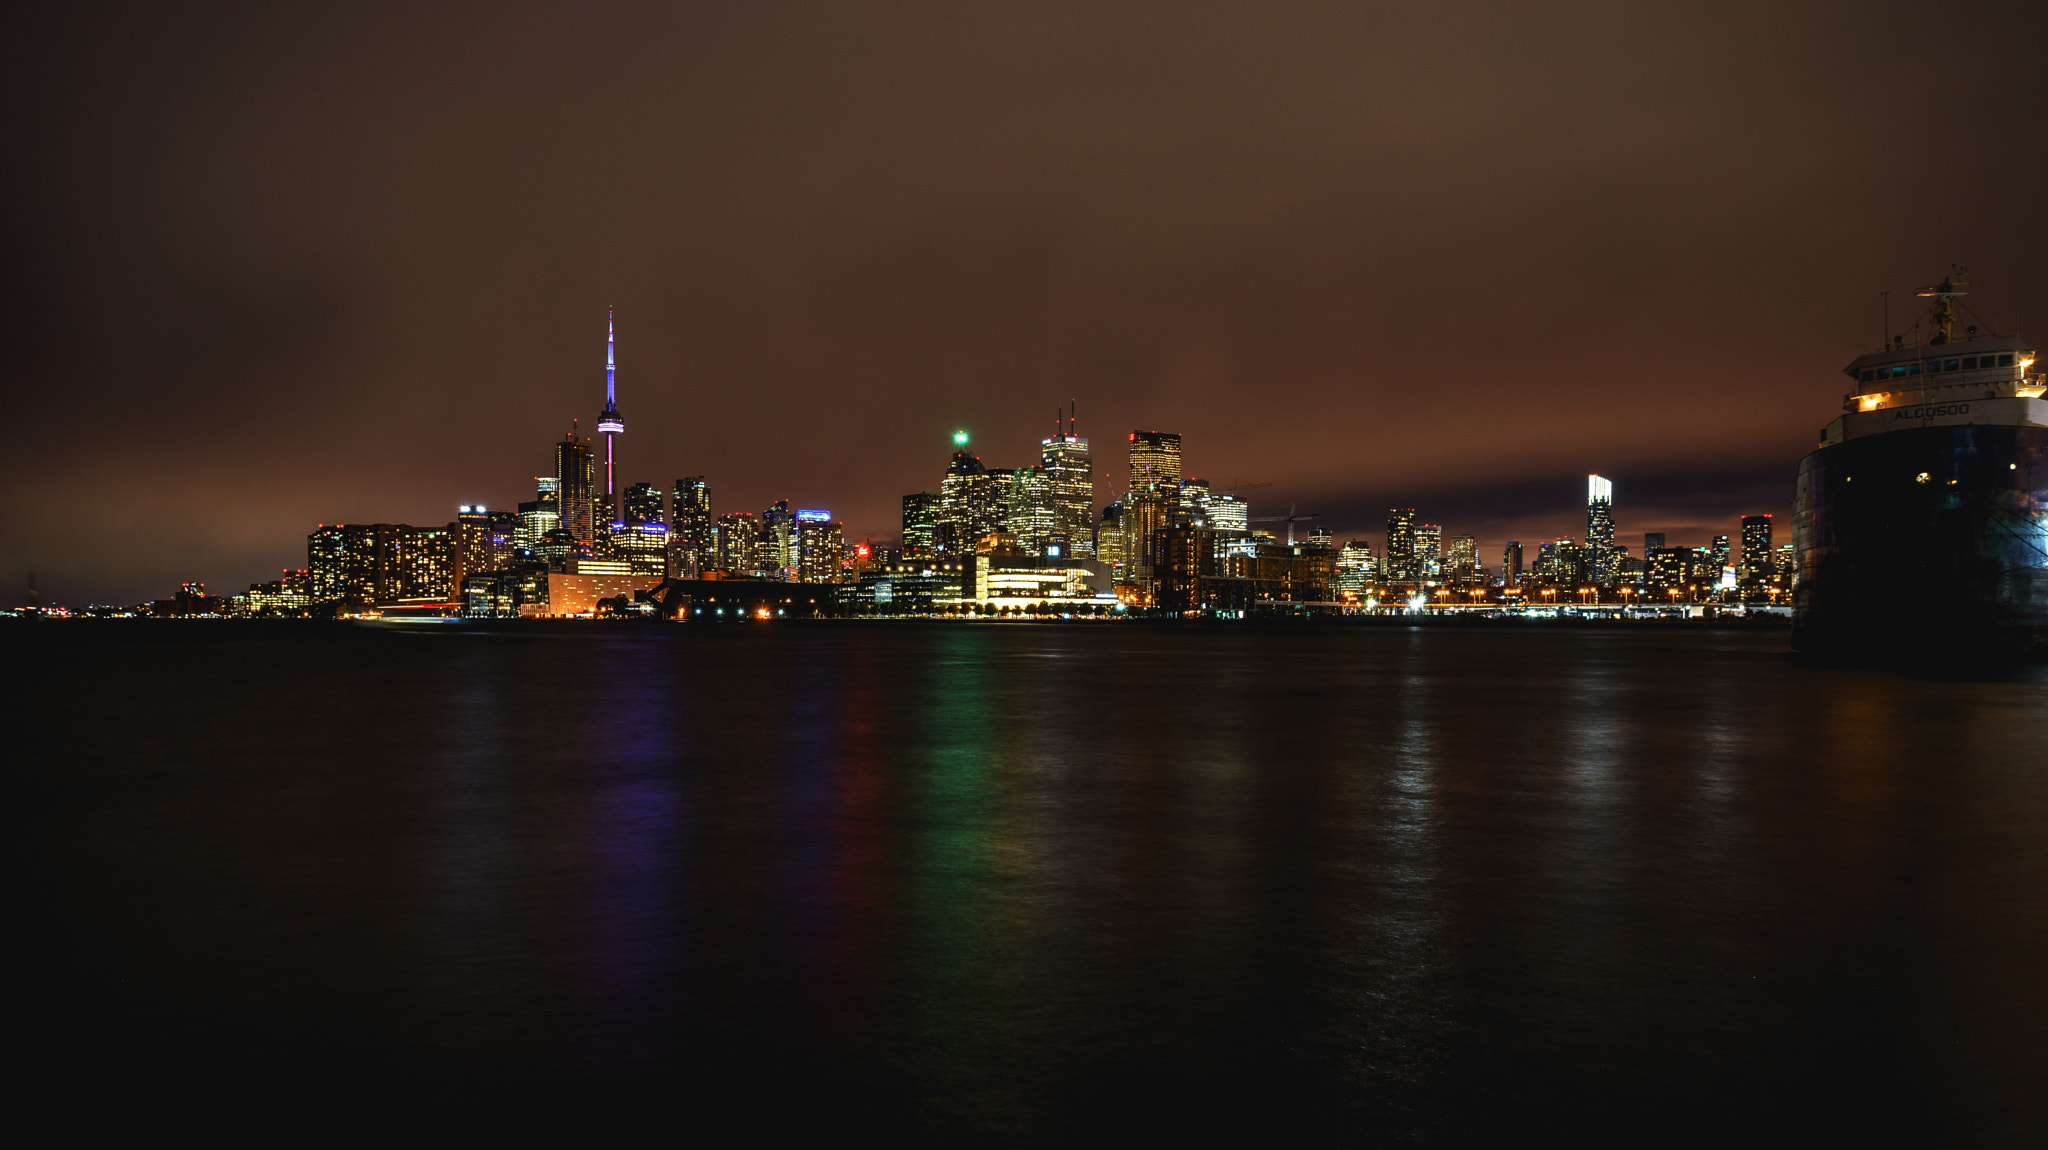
<point>609,423</point>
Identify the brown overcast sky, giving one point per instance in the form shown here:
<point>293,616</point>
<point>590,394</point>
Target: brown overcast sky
<point>282,265</point>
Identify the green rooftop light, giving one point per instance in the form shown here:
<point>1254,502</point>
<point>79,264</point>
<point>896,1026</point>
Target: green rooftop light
<point>959,439</point>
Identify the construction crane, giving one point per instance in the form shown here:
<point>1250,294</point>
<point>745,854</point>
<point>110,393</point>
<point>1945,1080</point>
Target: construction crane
<point>1290,519</point>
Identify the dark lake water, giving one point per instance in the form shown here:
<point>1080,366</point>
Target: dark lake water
<point>1038,882</point>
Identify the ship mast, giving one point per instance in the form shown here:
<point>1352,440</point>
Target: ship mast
<point>1944,294</point>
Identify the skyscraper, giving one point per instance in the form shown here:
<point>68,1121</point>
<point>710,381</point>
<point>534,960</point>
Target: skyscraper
<point>968,503</point>
<point>821,547</point>
<point>643,505</point>
<point>1464,560</point>
<point>1071,470</point>
<point>1355,567</point>
<point>609,424</point>
<point>1429,551</point>
<point>778,539</point>
<point>1600,529</point>
<point>1511,564</point>
<point>920,525</point>
<point>575,476</point>
<point>1031,514</point>
<point>1757,567</point>
<point>1400,565</point>
<point>690,528</point>
<point>1152,500</point>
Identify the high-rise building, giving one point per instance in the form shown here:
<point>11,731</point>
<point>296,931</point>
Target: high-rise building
<point>969,502</point>
<point>821,548</point>
<point>1463,562</point>
<point>920,525</point>
<point>739,542</point>
<point>1600,528</point>
<point>1719,549</point>
<point>778,539</point>
<point>1756,552</point>
<point>1152,500</point>
<point>691,538</point>
<point>575,477</point>
<point>380,562</point>
<point>471,535</point>
<point>1155,464</point>
<point>1355,568</point>
<point>1194,501</point>
<point>1031,515</point>
<point>610,425</point>
<point>1511,564</point>
<point>643,505</point>
<point>1400,565</point>
<point>1071,470</point>
<point>1110,541</point>
<point>1229,514</point>
<point>1429,551</point>
<point>540,515</point>
<point>1652,541</point>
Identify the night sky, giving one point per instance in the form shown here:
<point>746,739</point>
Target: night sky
<point>274,267</point>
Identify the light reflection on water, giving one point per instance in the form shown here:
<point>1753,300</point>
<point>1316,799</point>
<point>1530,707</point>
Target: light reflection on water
<point>1047,881</point>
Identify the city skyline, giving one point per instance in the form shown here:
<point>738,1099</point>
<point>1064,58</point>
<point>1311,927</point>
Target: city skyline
<point>1442,262</point>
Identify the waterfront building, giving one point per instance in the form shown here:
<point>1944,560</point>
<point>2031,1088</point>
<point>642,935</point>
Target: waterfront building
<point>1464,569</point>
<point>920,525</point>
<point>1110,543</point>
<point>1600,529</point>
<point>1031,513</point>
<point>1757,566</point>
<point>1071,470</point>
<point>540,515</point>
<point>575,476</point>
<point>1355,568</point>
<point>470,536</point>
<point>738,542</point>
<point>821,547</point>
<point>778,540</point>
<point>692,538</point>
<point>1152,500</point>
<point>1401,564</point>
<point>969,503</point>
<point>1429,552</point>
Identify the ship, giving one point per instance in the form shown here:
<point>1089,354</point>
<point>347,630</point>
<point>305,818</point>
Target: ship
<point>1920,521</point>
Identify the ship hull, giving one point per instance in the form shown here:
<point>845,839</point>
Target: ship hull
<point>1896,567</point>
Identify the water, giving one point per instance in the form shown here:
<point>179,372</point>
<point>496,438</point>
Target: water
<point>1041,882</point>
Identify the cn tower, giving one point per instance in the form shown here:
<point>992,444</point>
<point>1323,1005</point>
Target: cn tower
<point>609,423</point>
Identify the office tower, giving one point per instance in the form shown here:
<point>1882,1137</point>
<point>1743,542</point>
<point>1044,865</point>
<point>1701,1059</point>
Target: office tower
<point>738,542</point>
<point>1720,553</point>
<point>1321,539</point>
<point>1110,541</point>
<point>610,425</point>
<point>575,476</point>
<point>1031,514</point>
<point>539,516</point>
<point>471,543</point>
<point>1071,469</point>
<point>504,529</point>
<point>1194,501</point>
<point>968,506</point>
<point>691,534</point>
<point>1155,464</point>
<point>1152,500</point>
<point>920,525</point>
<point>1652,541</point>
<point>1600,528</point>
<point>1229,513</point>
<point>643,505</point>
<point>1464,560</point>
<point>1429,551</point>
<point>1400,565</point>
<point>1511,564</point>
<point>642,538</point>
<point>1756,551</point>
<point>778,539</point>
<point>821,548</point>
<point>1664,566</point>
<point>1355,567</point>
